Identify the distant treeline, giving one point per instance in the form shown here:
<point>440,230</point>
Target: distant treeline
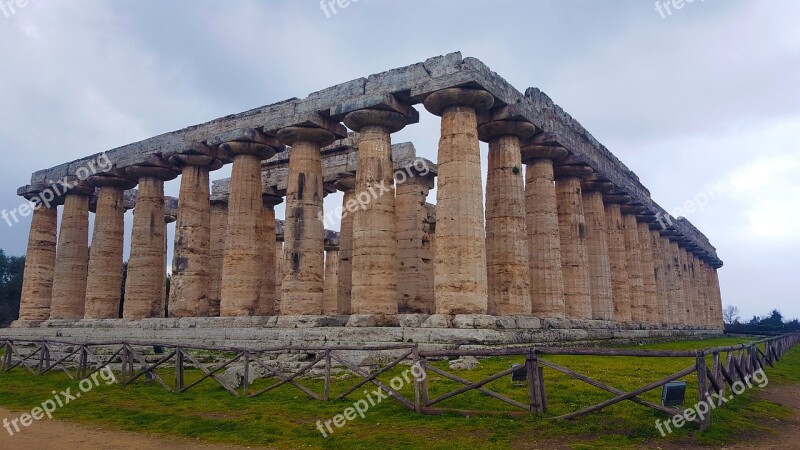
<point>773,323</point>
<point>11,268</point>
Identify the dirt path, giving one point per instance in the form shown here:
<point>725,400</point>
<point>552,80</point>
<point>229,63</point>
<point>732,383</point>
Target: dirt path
<point>67,435</point>
<point>787,432</point>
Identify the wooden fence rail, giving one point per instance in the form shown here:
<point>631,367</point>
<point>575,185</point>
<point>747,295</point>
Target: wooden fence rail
<point>729,369</point>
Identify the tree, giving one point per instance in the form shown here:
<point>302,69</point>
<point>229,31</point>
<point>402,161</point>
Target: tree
<point>11,270</point>
<point>730,314</point>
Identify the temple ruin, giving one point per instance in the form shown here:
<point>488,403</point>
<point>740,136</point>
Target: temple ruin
<point>565,243</point>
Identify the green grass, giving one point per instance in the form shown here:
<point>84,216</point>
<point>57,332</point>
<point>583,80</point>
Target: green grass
<point>286,418</point>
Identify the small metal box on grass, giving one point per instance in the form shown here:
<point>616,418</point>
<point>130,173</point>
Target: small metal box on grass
<point>520,375</point>
<point>674,393</point>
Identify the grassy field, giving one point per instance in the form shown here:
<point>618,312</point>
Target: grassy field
<point>286,418</point>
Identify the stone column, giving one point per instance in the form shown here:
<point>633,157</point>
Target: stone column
<point>618,256</point>
<point>648,272</point>
<point>689,301</point>
<point>304,233</point>
<point>574,252</point>
<point>544,239</point>
<point>661,277</point>
<point>677,286</point>
<point>597,245</point>
<point>412,238</point>
<point>279,272</point>
<point>425,286</point>
<point>242,271</point>
<point>507,252</point>
<point>703,287</point>
<point>634,263</point>
<point>105,256</point>
<point>374,273</point>
<point>330,304</point>
<point>717,323</point>
<point>189,286</point>
<point>460,283</point>
<point>345,275</point>
<point>216,253</point>
<point>144,288</point>
<point>269,297</point>
<point>71,267</point>
<point>40,260</point>
<point>700,305</point>
<point>670,281</point>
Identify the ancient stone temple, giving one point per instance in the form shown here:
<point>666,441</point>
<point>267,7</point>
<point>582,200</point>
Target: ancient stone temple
<point>563,242</point>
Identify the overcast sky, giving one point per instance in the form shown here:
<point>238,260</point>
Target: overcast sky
<point>705,96</point>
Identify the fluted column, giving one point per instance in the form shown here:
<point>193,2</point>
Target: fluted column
<point>544,238</point>
<point>460,278</point>
<point>700,306</point>
<point>648,272</point>
<point>411,214</point>
<point>189,286</point>
<point>717,302</point>
<point>670,281</point>
<point>304,234</point>
<point>279,272</point>
<point>679,294</point>
<point>661,277</point>
<point>72,256</point>
<point>330,303</point>
<point>574,252</point>
<point>269,297</point>
<point>689,301</point>
<point>703,286</point>
<point>216,253</point>
<point>144,288</point>
<point>242,271</point>
<point>597,245</point>
<point>105,256</point>
<point>507,252</point>
<point>634,264</point>
<point>374,273</point>
<point>618,256</point>
<point>40,260</point>
<point>345,276</point>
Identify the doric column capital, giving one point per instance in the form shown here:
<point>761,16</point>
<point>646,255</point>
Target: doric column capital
<point>572,171</point>
<point>477,99</point>
<point>493,129</point>
<point>293,135</point>
<point>199,155</point>
<point>616,198</point>
<point>154,167</point>
<point>390,121</point>
<point>633,208</point>
<point>114,178</point>
<point>250,142</point>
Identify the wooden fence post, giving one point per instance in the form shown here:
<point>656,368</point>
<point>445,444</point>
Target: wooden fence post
<point>83,362</point>
<point>417,381</point>
<point>534,382</point>
<point>702,384</point>
<point>178,369</point>
<point>327,394</point>
<point>246,381</point>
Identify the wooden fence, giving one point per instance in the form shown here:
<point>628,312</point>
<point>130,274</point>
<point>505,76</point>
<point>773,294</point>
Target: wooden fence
<point>716,369</point>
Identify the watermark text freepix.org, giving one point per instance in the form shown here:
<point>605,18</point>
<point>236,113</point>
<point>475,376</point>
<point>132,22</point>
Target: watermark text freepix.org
<point>10,7</point>
<point>56,189</point>
<point>374,398</point>
<point>59,400</point>
<point>361,200</point>
<point>665,8</point>
<point>710,403</point>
